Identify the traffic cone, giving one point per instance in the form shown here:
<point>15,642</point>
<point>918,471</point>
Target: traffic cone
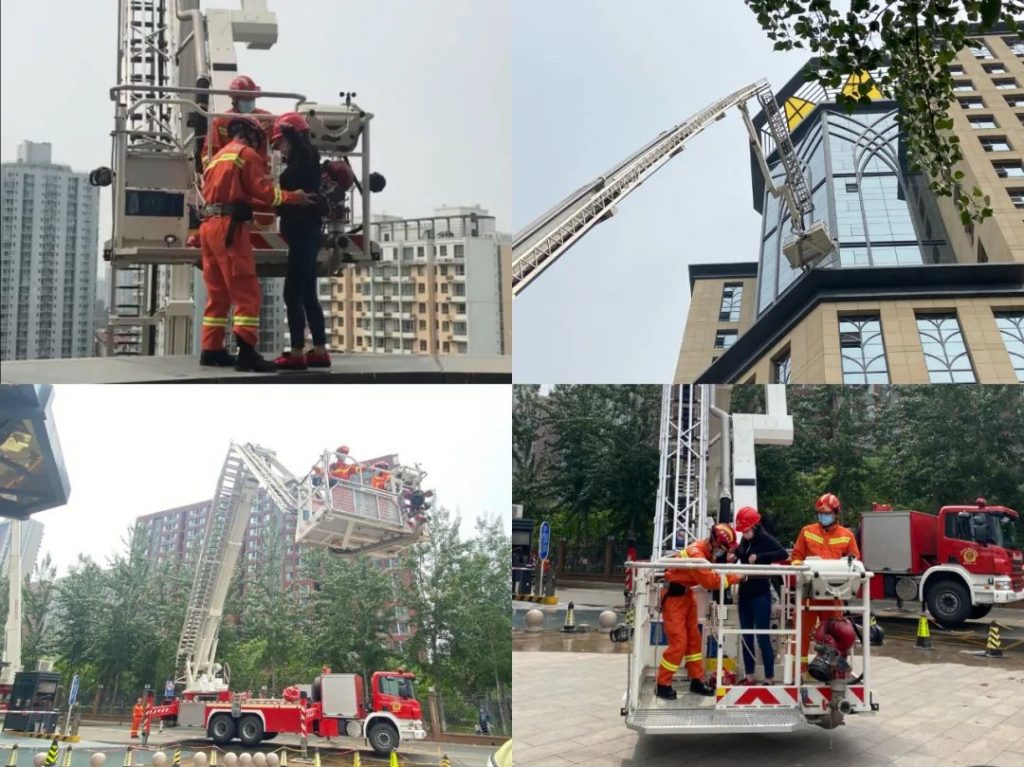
<point>393,761</point>
<point>67,758</point>
<point>993,648</point>
<point>128,757</point>
<point>51,755</point>
<point>284,757</point>
<point>316,757</point>
<point>12,760</point>
<point>924,637</point>
<point>445,761</point>
<point>176,762</point>
<point>356,762</point>
<point>212,762</point>
<point>570,619</point>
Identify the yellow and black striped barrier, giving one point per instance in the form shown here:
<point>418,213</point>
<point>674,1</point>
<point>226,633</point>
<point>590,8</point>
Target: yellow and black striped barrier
<point>994,646</point>
<point>46,736</point>
<point>445,761</point>
<point>537,600</point>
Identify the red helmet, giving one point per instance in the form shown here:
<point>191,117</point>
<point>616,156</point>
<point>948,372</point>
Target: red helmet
<point>243,83</point>
<point>343,449</point>
<point>723,535</point>
<point>381,465</point>
<point>746,518</point>
<point>317,469</point>
<point>827,503</point>
<point>290,121</point>
<point>252,126</point>
<point>340,172</point>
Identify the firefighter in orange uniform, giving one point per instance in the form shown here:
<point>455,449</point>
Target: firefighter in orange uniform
<point>382,477</point>
<point>219,137</point>
<point>827,539</point>
<point>234,181</point>
<point>137,712</point>
<point>679,611</point>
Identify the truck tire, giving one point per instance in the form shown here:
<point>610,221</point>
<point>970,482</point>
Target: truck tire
<point>269,735</point>
<point>221,729</point>
<point>250,730</point>
<point>980,611</point>
<point>949,602</point>
<point>383,738</point>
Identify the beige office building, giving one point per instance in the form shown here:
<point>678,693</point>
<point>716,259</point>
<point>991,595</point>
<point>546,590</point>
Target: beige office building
<point>440,288</point>
<point>911,295</point>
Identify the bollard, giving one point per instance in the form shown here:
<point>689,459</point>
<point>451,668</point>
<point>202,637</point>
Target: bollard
<point>128,757</point>
<point>924,637</point>
<point>176,761</point>
<point>213,757</point>
<point>12,760</point>
<point>66,762</point>
<point>355,759</point>
<point>51,755</point>
<point>570,619</point>
<point>993,648</point>
<point>445,761</point>
<point>316,757</point>
<point>284,757</point>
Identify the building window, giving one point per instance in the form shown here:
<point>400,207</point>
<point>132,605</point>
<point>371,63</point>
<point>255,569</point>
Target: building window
<point>979,49</point>
<point>981,122</point>
<point>732,296</point>
<point>782,367</point>
<point>956,69</point>
<point>1015,101</point>
<point>945,351</point>
<point>725,338</point>
<point>1017,196</point>
<point>1005,83</point>
<point>862,350</point>
<point>974,102</point>
<point>1016,45</point>
<point>1011,326</point>
<point>994,143</point>
<point>992,69</point>
<point>1009,169</point>
<point>963,85</point>
<point>423,346</point>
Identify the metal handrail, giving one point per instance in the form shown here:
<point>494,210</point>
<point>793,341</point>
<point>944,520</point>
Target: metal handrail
<point>214,91</point>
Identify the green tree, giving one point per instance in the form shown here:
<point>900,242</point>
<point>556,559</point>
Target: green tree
<point>912,43</point>
<point>528,465</point>
<point>37,602</point>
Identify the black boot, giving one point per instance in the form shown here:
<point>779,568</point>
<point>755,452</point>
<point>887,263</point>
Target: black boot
<point>665,691</point>
<point>698,686</point>
<point>251,360</point>
<point>218,358</point>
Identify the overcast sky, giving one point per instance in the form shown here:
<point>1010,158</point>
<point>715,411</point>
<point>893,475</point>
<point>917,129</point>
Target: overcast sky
<point>135,450</point>
<point>593,81</point>
<point>434,74</point>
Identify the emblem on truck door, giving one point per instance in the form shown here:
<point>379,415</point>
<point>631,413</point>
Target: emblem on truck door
<point>970,556</point>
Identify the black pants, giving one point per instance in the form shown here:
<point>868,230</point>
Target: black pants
<point>300,291</point>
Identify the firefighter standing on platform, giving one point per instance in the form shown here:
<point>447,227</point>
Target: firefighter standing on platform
<point>679,611</point>
<point>219,136</point>
<point>235,181</point>
<point>827,539</point>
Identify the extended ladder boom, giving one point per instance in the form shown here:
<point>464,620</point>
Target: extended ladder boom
<point>246,469</point>
<point>538,245</point>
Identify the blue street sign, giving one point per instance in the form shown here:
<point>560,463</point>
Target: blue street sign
<point>73,695</point>
<point>545,540</point>
<point>169,688</point>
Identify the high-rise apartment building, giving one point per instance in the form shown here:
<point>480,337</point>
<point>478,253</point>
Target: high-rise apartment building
<point>31,540</point>
<point>48,250</point>
<point>439,288</point>
<point>910,295</point>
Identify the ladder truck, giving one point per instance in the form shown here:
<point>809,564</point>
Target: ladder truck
<point>541,242</point>
<point>841,680</point>
<point>350,518</point>
<point>174,65</point>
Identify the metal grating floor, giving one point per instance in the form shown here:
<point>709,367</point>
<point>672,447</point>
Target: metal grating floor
<point>709,720</point>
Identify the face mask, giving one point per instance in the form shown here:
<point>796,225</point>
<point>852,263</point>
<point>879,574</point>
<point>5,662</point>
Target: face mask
<point>245,106</point>
<point>748,535</point>
<point>826,519</point>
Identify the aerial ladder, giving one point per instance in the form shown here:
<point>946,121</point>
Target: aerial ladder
<point>539,244</point>
<point>174,65</point>
<point>349,518</point>
<point>690,475</point>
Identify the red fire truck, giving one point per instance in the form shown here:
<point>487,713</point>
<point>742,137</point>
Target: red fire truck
<point>334,705</point>
<point>960,562</point>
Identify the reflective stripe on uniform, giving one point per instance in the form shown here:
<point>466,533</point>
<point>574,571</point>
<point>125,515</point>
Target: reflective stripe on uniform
<point>683,554</point>
<point>844,539</point>
<point>245,320</point>
<point>227,156</point>
<point>277,195</point>
<point>216,322</point>
<point>813,537</point>
<point>669,666</point>
<point>692,658</point>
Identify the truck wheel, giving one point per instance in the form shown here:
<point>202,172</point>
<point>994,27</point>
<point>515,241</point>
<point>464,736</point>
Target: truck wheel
<point>269,735</point>
<point>383,738</point>
<point>949,603</point>
<point>250,730</point>
<point>980,611</point>
<point>221,729</point>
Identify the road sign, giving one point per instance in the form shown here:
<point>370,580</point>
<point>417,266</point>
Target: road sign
<point>545,540</point>
<point>73,695</point>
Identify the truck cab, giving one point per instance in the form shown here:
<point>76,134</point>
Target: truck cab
<point>395,692</point>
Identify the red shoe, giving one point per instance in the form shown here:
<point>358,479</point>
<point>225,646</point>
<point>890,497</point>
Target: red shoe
<point>318,360</point>
<point>290,362</point>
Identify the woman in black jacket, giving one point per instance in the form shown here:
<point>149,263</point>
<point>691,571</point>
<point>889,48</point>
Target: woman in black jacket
<point>757,547</point>
<point>300,227</point>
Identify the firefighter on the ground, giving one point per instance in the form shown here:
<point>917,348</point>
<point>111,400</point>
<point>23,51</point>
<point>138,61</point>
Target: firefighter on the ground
<point>233,182</point>
<point>827,539</point>
<point>679,611</point>
<point>137,711</point>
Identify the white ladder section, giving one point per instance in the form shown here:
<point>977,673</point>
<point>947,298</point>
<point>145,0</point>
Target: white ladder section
<point>682,502</point>
<point>540,244</point>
